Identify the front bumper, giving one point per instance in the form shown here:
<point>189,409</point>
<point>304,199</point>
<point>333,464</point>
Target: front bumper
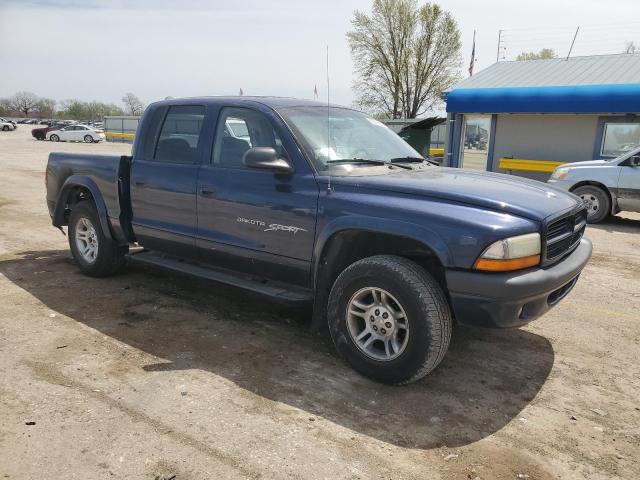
<point>513,299</point>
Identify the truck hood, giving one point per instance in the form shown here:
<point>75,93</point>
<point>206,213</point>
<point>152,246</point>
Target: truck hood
<point>503,193</point>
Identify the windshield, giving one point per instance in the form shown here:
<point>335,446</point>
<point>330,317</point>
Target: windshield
<point>344,135</point>
<point>629,152</point>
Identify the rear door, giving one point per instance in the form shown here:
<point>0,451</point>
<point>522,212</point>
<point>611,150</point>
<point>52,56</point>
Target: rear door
<point>164,176</point>
<point>256,220</point>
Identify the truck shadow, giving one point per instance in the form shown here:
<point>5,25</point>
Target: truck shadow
<point>618,224</point>
<point>485,380</point>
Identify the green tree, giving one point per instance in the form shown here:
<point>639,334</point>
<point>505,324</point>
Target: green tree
<point>46,108</point>
<point>5,107</point>
<point>74,109</point>
<point>544,54</point>
<point>405,55</point>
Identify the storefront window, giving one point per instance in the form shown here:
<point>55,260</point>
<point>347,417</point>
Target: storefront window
<point>620,138</point>
<point>475,141</point>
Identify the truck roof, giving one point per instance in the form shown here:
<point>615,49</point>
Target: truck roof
<point>273,102</point>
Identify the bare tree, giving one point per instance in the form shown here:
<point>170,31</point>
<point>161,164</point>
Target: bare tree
<point>544,54</point>
<point>24,102</point>
<point>133,104</point>
<point>405,56</point>
<point>631,48</point>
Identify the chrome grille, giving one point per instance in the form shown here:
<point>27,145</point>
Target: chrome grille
<point>562,235</point>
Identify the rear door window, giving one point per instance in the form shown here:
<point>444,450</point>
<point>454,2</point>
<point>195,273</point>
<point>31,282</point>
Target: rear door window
<point>180,134</point>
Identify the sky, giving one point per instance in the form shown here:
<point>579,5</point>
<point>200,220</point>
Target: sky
<point>100,49</point>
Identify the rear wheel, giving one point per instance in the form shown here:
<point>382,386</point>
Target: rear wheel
<point>39,136</point>
<point>597,202</point>
<point>54,138</point>
<point>88,139</point>
<point>5,128</point>
<point>389,319</point>
<point>95,253</point>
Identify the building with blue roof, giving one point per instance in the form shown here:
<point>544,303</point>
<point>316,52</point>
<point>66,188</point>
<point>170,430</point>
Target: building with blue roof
<point>528,117</point>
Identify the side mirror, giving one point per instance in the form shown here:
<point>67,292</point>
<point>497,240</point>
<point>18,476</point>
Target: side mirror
<point>634,161</point>
<point>266,158</point>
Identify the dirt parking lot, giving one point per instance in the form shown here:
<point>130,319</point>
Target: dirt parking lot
<point>151,375</point>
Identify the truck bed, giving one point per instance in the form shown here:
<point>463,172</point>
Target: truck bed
<point>104,177</point>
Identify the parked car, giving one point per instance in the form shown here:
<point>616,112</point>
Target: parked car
<point>605,186</point>
<point>326,206</point>
<point>7,125</point>
<point>41,133</point>
<point>75,133</point>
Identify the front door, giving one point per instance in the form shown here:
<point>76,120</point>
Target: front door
<point>629,188</point>
<point>254,220</point>
<point>163,185</point>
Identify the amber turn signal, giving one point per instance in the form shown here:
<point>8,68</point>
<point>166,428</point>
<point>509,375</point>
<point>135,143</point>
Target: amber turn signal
<point>494,265</point>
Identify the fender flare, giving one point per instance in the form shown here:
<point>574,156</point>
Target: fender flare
<point>398,228</point>
<point>80,181</point>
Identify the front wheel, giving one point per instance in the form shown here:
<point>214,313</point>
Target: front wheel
<point>88,139</point>
<point>597,202</point>
<point>54,138</point>
<point>95,253</point>
<point>389,319</point>
<point>5,129</point>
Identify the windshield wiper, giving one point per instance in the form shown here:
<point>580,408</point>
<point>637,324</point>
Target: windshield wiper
<point>396,160</point>
<point>366,161</point>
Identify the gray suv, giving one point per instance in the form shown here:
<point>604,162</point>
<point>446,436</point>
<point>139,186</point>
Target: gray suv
<point>606,186</point>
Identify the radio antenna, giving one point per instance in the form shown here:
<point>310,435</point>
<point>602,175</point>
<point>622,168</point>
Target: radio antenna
<point>328,122</point>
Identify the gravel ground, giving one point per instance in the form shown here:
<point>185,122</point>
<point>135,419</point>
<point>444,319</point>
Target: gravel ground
<point>152,375</point>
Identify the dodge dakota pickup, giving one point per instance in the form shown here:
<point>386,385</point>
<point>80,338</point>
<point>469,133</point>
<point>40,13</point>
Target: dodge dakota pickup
<point>304,202</point>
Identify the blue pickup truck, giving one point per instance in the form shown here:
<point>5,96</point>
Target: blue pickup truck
<point>308,203</point>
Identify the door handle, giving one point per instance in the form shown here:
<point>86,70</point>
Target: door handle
<point>207,191</point>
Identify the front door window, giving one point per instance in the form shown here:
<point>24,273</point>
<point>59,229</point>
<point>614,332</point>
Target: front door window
<point>475,142</point>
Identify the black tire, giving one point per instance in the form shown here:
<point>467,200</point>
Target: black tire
<point>110,256</point>
<point>5,129</point>
<point>54,138</point>
<point>39,136</point>
<point>88,139</point>
<point>597,202</point>
<point>427,314</point>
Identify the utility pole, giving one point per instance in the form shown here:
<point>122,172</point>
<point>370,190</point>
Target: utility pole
<point>499,42</point>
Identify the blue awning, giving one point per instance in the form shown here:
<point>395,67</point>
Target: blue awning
<point>614,98</point>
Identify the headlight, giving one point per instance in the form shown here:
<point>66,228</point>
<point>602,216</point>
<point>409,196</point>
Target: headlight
<point>512,253</point>
<point>559,173</point>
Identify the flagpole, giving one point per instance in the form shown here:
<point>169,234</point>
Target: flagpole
<point>473,54</point>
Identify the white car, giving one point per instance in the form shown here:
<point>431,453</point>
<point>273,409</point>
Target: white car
<point>76,133</point>
<point>7,125</point>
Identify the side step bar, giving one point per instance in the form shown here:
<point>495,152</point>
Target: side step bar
<point>276,290</point>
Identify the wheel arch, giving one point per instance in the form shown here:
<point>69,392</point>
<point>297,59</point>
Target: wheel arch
<point>339,247</point>
<point>74,190</point>
<point>612,198</point>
